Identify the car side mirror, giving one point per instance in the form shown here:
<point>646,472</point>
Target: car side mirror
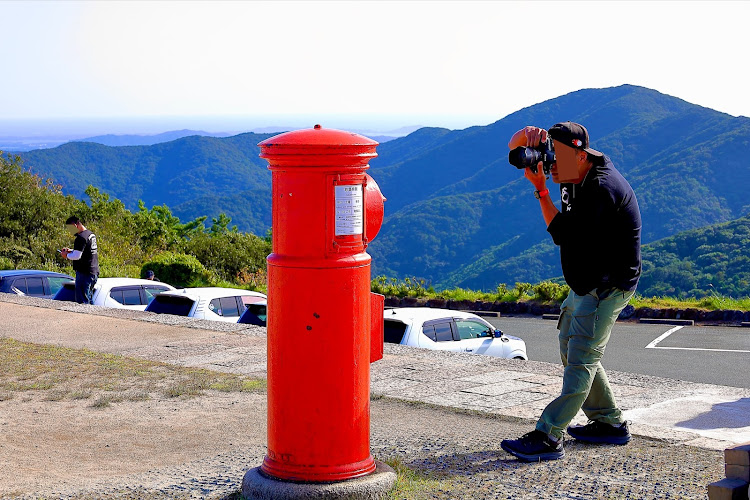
<point>498,334</point>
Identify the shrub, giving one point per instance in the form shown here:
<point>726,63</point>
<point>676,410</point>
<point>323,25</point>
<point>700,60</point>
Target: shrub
<point>177,269</point>
<point>257,281</point>
<point>392,287</point>
<point>523,289</point>
<point>229,253</point>
<point>549,291</point>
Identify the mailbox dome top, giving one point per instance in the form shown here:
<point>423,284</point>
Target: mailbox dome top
<point>318,136</point>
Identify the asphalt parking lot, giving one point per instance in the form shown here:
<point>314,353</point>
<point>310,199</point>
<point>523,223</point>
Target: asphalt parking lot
<point>706,354</point>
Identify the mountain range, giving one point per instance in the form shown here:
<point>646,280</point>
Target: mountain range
<point>457,213</point>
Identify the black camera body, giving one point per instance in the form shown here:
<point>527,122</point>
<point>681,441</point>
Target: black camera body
<point>523,157</point>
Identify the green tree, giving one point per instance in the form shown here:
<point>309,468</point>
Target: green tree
<point>221,225</point>
<point>229,253</point>
<point>32,215</point>
<point>177,269</point>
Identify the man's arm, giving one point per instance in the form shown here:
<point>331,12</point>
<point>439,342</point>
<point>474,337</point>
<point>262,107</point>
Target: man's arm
<point>74,255</point>
<point>78,247</point>
<point>532,137</point>
<point>539,180</point>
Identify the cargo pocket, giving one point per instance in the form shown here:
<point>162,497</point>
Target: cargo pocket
<point>564,310</point>
<point>584,315</point>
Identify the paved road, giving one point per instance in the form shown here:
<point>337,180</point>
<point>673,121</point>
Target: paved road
<point>704,354</point>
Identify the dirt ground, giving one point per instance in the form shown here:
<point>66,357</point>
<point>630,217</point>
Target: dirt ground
<point>48,447</point>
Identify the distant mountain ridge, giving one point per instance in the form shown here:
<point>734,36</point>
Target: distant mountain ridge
<point>151,139</point>
<point>457,213</point>
<point>148,140</point>
<point>188,172</point>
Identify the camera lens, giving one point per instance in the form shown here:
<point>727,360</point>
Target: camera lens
<point>522,157</point>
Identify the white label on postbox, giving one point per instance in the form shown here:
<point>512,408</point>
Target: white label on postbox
<point>349,209</point>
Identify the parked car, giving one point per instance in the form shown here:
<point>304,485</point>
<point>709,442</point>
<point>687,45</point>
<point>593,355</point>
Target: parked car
<point>32,282</point>
<point>255,314</point>
<point>218,304</point>
<point>449,330</point>
<point>126,293</point>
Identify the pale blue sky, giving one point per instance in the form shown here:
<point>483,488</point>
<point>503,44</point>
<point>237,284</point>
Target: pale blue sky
<point>444,63</point>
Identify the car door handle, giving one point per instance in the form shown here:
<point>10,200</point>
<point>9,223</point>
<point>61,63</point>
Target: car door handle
<point>468,350</point>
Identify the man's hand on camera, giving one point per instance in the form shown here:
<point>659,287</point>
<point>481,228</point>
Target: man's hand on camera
<point>528,136</point>
<point>538,179</point>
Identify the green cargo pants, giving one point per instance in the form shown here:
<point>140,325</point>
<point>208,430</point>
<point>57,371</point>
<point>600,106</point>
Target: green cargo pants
<point>585,325</point>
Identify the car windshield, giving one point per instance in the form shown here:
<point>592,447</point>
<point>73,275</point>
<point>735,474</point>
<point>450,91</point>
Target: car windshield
<point>56,283</point>
<point>67,293</point>
<point>152,290</point>
<point>169,304</point>
<point>472,329</point>
<point>393,331</point>
<point>255,314</point>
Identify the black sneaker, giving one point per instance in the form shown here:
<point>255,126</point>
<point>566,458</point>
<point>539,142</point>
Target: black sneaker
<point>599,432</point>
<point>534,446</point>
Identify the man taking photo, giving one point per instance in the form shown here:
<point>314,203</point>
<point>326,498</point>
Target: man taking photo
<point>85,257</point>
<point>598,230</point>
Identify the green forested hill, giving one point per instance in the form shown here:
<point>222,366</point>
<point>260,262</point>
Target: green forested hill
<point>457,213</point>
<point>700,261</point>
<point>485,227</point>
<point>188,174</point>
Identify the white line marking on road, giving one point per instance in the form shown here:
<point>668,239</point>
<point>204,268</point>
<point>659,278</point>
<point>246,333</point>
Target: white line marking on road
<point>653,344</point>
<point>664,335</point>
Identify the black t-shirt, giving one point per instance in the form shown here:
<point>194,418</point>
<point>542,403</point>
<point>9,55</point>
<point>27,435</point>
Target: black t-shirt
<point>599,231</point>
<point>89,261</point>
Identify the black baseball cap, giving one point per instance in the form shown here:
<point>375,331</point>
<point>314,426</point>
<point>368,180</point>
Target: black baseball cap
<point>574,135</point>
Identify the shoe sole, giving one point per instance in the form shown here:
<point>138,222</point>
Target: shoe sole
<point>601,440</point>
<point>555,455</point>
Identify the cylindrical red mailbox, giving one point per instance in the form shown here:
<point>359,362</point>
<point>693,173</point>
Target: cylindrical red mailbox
<point>325,209</point>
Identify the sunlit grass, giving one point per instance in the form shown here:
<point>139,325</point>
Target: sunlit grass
<point>710,303</point>
<point>81,374</point>
<point>413,484</point>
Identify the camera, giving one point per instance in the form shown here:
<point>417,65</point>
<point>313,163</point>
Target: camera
<point>523,157</point>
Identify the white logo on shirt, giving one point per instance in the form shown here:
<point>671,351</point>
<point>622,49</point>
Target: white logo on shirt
<point>565,197</point>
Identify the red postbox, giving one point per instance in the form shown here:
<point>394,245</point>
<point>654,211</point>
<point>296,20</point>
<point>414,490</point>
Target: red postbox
<point>324,325</point>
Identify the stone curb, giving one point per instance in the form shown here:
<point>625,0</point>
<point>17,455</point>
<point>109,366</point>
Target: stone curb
<point>658,321</point>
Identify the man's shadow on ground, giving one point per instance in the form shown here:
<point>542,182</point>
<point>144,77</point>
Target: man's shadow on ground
<point>729,415</point>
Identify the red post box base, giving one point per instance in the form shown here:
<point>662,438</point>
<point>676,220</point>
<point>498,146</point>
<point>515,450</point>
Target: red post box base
<point>258,486</point>
<point>317,474</point>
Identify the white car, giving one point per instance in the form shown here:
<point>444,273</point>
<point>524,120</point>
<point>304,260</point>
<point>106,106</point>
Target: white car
<point>218,304</point>
<point>448,330</point>
<point>123,293</point>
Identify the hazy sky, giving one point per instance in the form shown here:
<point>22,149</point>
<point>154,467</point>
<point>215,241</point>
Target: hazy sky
<point>445,63</point>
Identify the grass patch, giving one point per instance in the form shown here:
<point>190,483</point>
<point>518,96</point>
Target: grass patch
<point>63,373</point>
<point>413,484</point>
<point>710,303</point>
